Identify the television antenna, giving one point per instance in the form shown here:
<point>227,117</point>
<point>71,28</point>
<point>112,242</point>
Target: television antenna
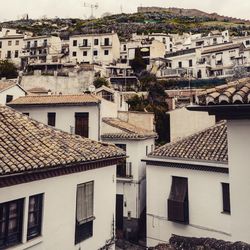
<point>92,7</point>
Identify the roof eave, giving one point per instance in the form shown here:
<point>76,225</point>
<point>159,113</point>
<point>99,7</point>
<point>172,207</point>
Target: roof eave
<point>224,112</point>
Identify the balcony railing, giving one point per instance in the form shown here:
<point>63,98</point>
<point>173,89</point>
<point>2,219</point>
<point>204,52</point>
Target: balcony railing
<point>109,44</point>
<point>124,170</point>
<point>85,45</point>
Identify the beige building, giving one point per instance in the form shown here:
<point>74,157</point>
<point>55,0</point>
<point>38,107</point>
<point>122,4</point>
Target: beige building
<point>41,51</point>
<point>11,44</point>
<point>94,48</point>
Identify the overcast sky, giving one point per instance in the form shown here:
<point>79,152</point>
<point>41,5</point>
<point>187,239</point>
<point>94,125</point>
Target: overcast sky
<point>13,9</point>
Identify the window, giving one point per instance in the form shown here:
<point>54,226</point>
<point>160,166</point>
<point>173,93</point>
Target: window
<point>85,42</point>
<point>106,41</point>
<point>17,42</point>
<point>146,150</point>
<point>96,41</point>
<point>95,53</point>
<point>0,45</point>
<point>82,124</point>
<point>106,52</point>
<point>226,198</point>
<point>84,211</point>
<point>124,47</point>
<point>52,119</point>
<point>9,98</point>
<point>35,216</point>
<point>28,114</point>
<point>16,53</point>
<point>85,53</point>
<point>164,40</point>
<point>9,43</point>
<point>248,42</point>
<point>8,54</point>
<point>178,210</point>
<point>45,42</point>
<point>74,53</point>
<point>11,223</point>
<point>180,64</point>
<point>74,43</point>
<point>190,63</point>
<point>35,44</point>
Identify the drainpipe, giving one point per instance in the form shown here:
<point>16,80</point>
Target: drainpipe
<point>99,121</point>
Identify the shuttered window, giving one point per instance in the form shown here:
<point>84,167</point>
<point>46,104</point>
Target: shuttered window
<point>11,223</point>
<point>35,216</point>
<point>178,210</point>
<point>84,211</point>
<point>226,197</point>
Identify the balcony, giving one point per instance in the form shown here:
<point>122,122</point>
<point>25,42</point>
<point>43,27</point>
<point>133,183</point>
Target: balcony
<point>109,44</point>
<point>124,170</point>
<point>85,46</point>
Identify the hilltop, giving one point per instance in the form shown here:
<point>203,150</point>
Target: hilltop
<point>147,20</point>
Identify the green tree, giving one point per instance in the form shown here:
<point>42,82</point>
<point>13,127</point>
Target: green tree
<point>138,64</point>
<point>146,80</point>
<point>8,69</point>
<point>100,81</point>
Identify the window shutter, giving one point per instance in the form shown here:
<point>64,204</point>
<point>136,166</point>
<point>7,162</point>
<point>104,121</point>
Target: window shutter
<point>85,206</point>
<point>178,210</point>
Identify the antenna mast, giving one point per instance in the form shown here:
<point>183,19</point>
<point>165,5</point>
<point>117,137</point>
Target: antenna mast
<point>92,7</point>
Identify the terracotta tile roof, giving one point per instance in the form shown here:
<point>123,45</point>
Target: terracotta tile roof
<point>222,48</point>
<point>81,99</point>
<point>128,131</point>
<point>6,85</point>
<point>236,92</point>
<point>207,145</point>
<point>27,145</point>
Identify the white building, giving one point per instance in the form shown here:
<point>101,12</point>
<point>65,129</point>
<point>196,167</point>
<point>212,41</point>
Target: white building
<point>94,48</point>
<point>11,44</point>
<point>133,132</point>
<point>231,102</point>
<point>78,114</point>
<point>42,51</point>
<point>187,188</point>
<point>52,193</point>
<point>10,91</point>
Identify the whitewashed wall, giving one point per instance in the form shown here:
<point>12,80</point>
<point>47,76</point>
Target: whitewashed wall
<point>184,123</point>
<point>59,211</point>
<point>205,205</point>
<point>14,91</point>
<point>65,117</point>
<point>239,158</point>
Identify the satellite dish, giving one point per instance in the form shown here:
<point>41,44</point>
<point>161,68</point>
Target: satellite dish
<point>91,88</point>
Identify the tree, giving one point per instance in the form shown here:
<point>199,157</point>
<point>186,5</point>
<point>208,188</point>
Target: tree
<point>138,64</point>
<point>7,69</point>
<point>146,80</point>
<point>100,81</point>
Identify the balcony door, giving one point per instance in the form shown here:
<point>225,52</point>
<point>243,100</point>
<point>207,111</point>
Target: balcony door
<point>82,124</point>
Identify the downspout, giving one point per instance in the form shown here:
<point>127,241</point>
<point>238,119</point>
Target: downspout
<point>99,121</point>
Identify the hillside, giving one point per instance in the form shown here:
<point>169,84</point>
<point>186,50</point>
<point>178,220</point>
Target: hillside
<point>141,22</point>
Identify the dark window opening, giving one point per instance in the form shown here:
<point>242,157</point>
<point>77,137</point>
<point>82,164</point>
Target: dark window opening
<point>74,53</point>
<point>28,114</point>
<point>74,43</point>
<point>178,210</point>
<point>9,98</point>
<point>180,64</point>
<point>106,52</point>
<point>35,216</point>
<point>95,52</point>
<point>85,53</point>
<point>52,119</point>
<point>11,223</point>
<point>226,198</point>
<point>96,41</point>
<point>190,63</point>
